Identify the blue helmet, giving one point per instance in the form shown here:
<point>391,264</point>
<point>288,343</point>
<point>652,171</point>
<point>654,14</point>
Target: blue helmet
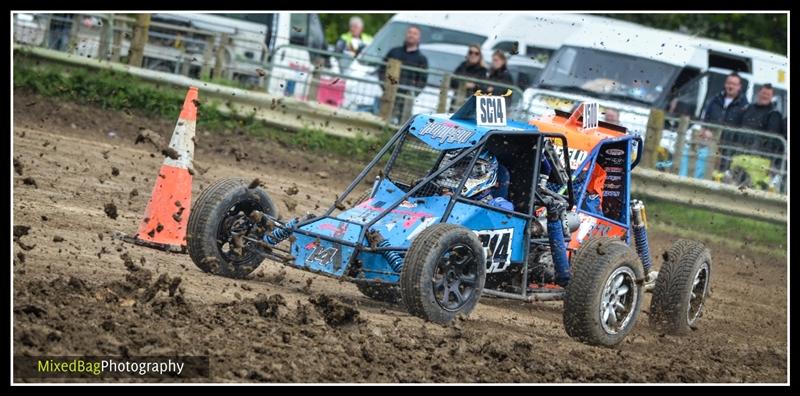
<point>482,178</point>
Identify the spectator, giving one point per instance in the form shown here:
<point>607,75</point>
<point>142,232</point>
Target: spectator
<point>473,67</point>
<point>726,108</point>
<point>499,74</point>
<point>762,115</point>
<point>612,116</point>
<point>411,81</point>
<point>60,26</point>
<point>353,41</point>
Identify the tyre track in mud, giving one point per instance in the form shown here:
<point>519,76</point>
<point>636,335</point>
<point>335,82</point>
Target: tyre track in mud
<point>78,296</point>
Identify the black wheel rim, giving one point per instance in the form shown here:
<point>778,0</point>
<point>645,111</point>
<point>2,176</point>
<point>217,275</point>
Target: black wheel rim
<point>455,277</point>
<point>234,226</point>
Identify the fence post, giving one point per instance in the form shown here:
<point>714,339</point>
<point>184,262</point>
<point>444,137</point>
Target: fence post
<point>714,154</point>
<point>140,32</point>
<point>219,61</point>
<point>443,89</point>
<point>186,62</point>
<point>208,52</point>
<point>47,19</point>
<point>316,74</point>
<point>73,33</point>
<point>461,94</point>
<point>680,141</point>
<point>391,80</point>
<point>116,48</point>
<point>655,127</point>
<point>106,36</point>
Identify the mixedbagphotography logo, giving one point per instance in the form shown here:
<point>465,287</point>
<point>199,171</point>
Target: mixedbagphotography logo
<point>111,367</point>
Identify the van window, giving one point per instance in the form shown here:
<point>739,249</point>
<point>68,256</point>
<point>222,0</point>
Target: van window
<point>393,34</point>
<point>507,46</point>
<point>538,53</point>
<point>731,62</point>
<point>299,30</point>
<point>609,75</point>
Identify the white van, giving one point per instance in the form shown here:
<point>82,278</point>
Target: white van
<point>632,68</point>
<point>535,35</point>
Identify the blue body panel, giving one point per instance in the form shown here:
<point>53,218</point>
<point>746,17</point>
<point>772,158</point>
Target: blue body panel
<point>443,133</point>
<point>320,254</point>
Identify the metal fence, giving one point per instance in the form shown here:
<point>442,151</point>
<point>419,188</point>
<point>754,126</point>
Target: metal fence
<point>741,157</point>
<point>680,146</point>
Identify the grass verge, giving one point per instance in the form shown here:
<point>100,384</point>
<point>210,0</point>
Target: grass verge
<point>119,91</point>
<point>731,230</point>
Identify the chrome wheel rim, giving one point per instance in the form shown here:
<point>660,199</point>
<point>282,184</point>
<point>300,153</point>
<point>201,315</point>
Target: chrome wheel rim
<point>619,298</point>
<point>697,295</point>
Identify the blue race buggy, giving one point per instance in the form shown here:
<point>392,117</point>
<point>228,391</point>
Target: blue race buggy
<point>413,235</point>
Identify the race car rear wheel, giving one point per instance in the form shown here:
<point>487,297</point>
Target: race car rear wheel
<point>604,297</point>
<point>443,273</point>
<point>682,287</point>
<point>218,218</point>
<point>385,293</point>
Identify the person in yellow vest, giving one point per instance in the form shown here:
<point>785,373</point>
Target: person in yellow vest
<point>354,40</point>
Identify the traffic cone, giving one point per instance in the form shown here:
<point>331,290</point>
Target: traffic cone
<point>167,213</point>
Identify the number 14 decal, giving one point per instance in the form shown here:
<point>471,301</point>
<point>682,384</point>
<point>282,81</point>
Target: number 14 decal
<point>497,245</point>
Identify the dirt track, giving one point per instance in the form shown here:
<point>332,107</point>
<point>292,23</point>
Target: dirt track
<point>78,296</point>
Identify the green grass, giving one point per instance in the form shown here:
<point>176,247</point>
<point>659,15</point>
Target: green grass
<point>120,91</point>
<point>734,229</point>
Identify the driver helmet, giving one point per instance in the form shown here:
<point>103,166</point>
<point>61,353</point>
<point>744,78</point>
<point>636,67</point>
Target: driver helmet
<point>482,178</point>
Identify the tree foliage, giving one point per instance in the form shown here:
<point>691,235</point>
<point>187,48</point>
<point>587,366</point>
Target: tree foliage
<point>336,24</point>
<point>764,31</point>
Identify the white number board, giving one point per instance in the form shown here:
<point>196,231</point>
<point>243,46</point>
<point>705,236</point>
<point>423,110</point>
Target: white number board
<point>590,115</point>
<point>490,111</point>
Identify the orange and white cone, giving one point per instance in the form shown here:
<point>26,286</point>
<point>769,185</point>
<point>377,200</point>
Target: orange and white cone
<point>167,213</point>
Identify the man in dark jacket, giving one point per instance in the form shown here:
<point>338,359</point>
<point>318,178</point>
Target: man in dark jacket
<point>763,116</point>
<point>727,108</point>
<point>408,54</point>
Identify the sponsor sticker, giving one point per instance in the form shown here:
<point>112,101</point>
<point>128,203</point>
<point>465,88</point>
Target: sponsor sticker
<point>445,133</point>
<point>615,151</point>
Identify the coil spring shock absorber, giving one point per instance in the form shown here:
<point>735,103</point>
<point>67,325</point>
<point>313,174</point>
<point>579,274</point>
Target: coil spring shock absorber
<point>640,234</point>
<point>280,233</point>
<point>392,257</point>
<point>555,233</point>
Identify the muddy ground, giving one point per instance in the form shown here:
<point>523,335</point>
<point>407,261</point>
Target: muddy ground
<point>78,291</point>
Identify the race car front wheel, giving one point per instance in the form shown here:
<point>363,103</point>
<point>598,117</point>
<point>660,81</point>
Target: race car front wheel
<point>682,287</point>
<point>443,273</point>
<point>219,220</point>
<point>604,297</point>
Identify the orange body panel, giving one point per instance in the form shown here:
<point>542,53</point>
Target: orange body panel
<point>590,226</point>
